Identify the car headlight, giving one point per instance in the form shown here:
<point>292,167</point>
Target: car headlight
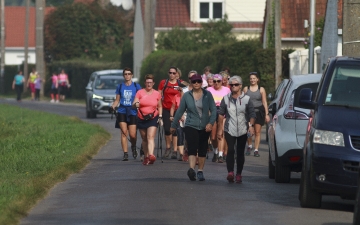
<point>329,138</point>
<point>97,97</point>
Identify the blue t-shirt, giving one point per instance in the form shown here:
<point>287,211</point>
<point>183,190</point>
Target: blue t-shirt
<point>19,79</point>
<point>127,95</point>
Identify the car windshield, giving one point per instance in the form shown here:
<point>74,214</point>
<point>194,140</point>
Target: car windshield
<point>107,83</point>
<point>344,87</point>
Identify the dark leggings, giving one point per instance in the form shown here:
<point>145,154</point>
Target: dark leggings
<point>19,89</point>
<point>180,135</point>
<point>167,122</point>
<point>240,149</point>
<point>197,141</point>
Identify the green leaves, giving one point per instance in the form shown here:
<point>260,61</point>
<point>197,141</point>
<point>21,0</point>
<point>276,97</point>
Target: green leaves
<point>83,30</point>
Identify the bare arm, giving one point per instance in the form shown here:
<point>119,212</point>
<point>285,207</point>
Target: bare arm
<point>116,102</point>
<point>136,102</point>
<point>264,102</point>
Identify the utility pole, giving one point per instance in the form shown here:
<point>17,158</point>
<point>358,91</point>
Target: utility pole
<point>40,67</point>
<point>351,23</point>
<point>26,41</point>
<point>2,63</point>
<point>149,26</point>
<point>278,56</point>
<point>312,35</point>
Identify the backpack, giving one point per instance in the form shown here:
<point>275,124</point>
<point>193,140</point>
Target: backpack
<point>165,85</point>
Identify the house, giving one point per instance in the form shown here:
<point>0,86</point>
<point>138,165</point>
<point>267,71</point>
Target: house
<point>245,16</point>
<point>294,34</point>
<point>15,34</point>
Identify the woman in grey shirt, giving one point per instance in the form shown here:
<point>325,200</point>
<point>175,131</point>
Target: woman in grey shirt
<point>238,109</point>
<point>258,98</point>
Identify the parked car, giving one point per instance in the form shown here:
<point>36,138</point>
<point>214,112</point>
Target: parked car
<point>332,145</point>
<point>100,91</point>
<point>272,107</point>
<point>288,128</point>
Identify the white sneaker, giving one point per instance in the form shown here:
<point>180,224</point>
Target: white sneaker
<point>57,101</point>
<point>52,101</point>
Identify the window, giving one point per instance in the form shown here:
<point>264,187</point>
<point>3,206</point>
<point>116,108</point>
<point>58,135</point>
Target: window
<point>211,9</point>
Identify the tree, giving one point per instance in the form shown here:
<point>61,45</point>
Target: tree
<point>83,30</point>
<point>180,39</point>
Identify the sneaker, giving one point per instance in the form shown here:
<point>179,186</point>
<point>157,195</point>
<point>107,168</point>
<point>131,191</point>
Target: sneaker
<point>57,101</point>
<point>134,152</point>
<point>191,174</point>
<point>174,155</point>
<point>256,154</point>
<point>238,179</point>
<point>210,148</point>
<point>200,176</point>
<point>248,151</point>
<point>181,157</point>
<point>52,101</point>
<point>230,177</point>
<point>167,152</point>
<point>224,158</point>
<point>141,154</point>
<point>185,158</point>
<point>146,161</point>
<point>220,159</point>
<point>126,157</point>
<point>152,159</point>
<point>214,159</point>
<point>141,158</point>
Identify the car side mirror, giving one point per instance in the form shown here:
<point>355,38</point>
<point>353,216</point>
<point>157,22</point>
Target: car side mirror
<point>305,98</point>
<point>270,97</point>
<point>88,87</point>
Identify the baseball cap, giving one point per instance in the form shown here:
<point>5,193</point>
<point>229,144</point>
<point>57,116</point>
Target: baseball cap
<point>196,77</point>
<point>217,77</point>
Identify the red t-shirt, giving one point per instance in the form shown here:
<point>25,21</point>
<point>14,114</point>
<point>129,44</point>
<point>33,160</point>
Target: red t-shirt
<point>148,103</point>
<point>169,93</point>
<point>176,101</point>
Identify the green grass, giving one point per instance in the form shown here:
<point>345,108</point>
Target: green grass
<point>38,150</point>
<point>44,98</point>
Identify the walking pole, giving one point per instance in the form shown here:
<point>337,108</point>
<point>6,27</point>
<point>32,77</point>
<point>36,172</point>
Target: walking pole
<point>160,143</point>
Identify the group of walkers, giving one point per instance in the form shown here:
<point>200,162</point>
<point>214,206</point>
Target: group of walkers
<point>59,85</point>
<point>204,110</point>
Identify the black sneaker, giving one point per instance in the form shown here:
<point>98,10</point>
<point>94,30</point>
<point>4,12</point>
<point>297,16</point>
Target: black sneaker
<point>220,159</point>
<point>200,176</point>
<point>214,159</point>
<point>174,155</point>
<point>134,152</point>
<point>181,157</point>
<point>126,157</point>
<point>191,174</point>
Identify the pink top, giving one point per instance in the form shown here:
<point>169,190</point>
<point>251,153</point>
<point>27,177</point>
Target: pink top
<point>63,78</point>
<point>54,79</point>
<point>148,102</point>
<point>218,94</point>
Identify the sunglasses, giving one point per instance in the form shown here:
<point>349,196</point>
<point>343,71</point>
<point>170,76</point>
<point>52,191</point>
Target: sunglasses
<point>196,81</point>
<point>217,81</point>
<point>127,73</point>
<point>172,73</point>
<point>232,85</point>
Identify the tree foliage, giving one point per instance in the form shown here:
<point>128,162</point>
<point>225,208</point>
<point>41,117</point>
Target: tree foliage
<point>183,40</point>
<point>83,30</point>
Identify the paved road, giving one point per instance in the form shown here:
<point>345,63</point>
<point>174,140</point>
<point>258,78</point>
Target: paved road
<point>109,191</point>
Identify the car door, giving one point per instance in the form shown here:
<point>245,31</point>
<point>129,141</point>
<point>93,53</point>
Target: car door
<point>302,115</point>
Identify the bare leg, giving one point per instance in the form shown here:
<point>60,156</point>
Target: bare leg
<point>132,134</point>
<point>192,161</point>
<point>151,132</point>
<point>144,143</point>
<point>257,135</point>
<point>123,137</point>
<point>201,163</point>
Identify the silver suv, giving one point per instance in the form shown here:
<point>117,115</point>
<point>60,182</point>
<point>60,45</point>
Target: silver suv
<point>288,128</point>
<point>100,91</point>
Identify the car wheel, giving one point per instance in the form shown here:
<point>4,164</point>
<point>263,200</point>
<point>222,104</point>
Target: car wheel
<point>90,113</point>
<point>308,197</point>
<point>271,169</point>
<point>282,173</point>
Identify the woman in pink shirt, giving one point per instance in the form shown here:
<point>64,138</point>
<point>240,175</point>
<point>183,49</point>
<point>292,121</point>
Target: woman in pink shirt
<point>148,103</point>
<point>218,92</point>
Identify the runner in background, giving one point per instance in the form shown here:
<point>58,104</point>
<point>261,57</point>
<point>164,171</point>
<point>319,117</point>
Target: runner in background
<point>64,84</point>
<point>31,83</point>
<point>54,88</point>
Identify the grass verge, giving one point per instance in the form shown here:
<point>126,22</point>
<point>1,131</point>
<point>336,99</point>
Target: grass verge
<point>38,150</point>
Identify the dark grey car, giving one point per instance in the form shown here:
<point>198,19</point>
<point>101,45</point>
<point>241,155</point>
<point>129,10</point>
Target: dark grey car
<point>100,91</point>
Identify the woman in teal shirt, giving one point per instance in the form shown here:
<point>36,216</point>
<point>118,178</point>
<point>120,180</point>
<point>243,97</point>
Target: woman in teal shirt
<point>18,85</point>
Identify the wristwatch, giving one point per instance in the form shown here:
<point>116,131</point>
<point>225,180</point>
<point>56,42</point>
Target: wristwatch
<point>251,125</point>
<point>160,116</point>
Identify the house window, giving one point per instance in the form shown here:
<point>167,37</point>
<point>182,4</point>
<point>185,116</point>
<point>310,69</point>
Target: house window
<point>211,9</point>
